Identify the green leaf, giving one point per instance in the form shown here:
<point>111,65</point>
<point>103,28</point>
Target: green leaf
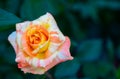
<point>113,5</point>
<point>34,76</point>
<point>67,69</point>
<point>6,19</point>
<point>118,52</point>
<point>89,50</point>
<point>9,55</point>
<point>75,27</point>
<point>7,52</point>
<point>118,73</point>
<point>87,10</point>
<point>13,75</point>
<point>2,4</point>
<point>12,5</point>
<point>110,49</point>
<point>89,70</point>
<point>32,9</point>
<point>5,68</point>
<point>101,69</point>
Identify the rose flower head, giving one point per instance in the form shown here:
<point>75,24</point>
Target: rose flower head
<point>39,45</point>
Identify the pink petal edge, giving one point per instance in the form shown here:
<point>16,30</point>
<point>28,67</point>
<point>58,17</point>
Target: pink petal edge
<point>63,55</point>
<point>12,40</point>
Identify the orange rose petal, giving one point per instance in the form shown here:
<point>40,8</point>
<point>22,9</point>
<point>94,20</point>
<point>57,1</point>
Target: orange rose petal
<point>26,47</point>
<point>53,32</point>
<point>55,39</point>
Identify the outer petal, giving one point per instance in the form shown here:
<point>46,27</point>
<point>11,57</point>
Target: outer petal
<point>20,29</point>
<point>12,40</point>
<point>19,55</point>
<point>62,55</point>
<point>33,70</point>
<point>64,52</point>
<point>56,36</point>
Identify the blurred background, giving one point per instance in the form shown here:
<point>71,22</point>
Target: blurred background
<point>92,25</point>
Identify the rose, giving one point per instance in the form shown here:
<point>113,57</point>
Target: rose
<point>39,45</point>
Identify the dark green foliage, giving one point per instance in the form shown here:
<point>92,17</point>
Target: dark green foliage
<point>6,19</point>
<point>89,50</point>
<point>93,27</point>
<point>69,68</point>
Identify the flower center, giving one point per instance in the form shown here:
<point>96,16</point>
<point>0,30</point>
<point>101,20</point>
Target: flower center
<point>36,41</point>
<point>36,35</point>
